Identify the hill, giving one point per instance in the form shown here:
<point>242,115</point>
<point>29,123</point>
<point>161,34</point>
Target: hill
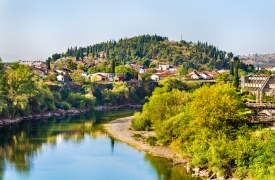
<point>150,50</point>
<point>259,59</point>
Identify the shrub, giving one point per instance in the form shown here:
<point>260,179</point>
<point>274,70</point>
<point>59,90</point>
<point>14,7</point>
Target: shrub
<point>65,105</point>
<point>140,123</point>
<point>151,140</point>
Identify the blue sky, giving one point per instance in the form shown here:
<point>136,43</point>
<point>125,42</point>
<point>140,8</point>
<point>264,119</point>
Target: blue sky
<point>35,29</point>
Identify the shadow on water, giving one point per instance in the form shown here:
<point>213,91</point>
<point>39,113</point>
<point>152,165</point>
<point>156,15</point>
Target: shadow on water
<point>21,143</point>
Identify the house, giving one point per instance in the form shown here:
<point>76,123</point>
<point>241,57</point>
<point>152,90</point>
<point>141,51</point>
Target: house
<point>61,71</point>
<point>166,67</point>
<point>110,76</point>
<point>213,74</point>
<point>40,72</point>
<point>139,68</point>
<point>61,79</point>
<point>205,75</point>
<point>195,75</point>
<point>154,77</point>
<point>98,78</point>
<point>32,63</point>
<point>158,77</point>
<point>201,75</point>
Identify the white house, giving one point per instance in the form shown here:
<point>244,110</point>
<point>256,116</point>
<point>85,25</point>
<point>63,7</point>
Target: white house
<point>60,78</point>
<point>155,77</point>
<point>195,75</point>
<point>205,75</point>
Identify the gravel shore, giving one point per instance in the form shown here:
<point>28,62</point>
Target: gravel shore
<point>120,129</point>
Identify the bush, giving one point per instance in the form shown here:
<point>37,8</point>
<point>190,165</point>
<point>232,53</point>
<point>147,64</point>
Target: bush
<point>151,140</point>
<point>65,105</point>
<point>140,123</point>
<point>78,100</point>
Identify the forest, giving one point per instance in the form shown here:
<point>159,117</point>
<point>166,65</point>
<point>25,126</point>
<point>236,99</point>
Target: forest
<point>209,127</point>
<point>144,49</point>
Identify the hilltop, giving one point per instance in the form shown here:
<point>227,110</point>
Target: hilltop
<point>149,51</point>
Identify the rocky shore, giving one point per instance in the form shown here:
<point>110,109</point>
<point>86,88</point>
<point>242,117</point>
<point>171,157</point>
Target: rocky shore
<point>121,130</point>
<point>59,113</point>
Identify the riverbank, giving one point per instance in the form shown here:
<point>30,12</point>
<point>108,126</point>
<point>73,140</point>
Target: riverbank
<point>59,113</point>
<point>121,129</point>
<point>124,106</point>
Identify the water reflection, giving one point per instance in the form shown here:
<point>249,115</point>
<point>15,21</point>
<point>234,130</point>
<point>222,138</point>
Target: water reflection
<point>21,143</point>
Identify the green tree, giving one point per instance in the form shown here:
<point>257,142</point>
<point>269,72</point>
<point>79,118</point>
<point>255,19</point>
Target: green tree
<point>113,66</point>
<point>235,82</point>
<point>77,78</point>
<point>71,65</point>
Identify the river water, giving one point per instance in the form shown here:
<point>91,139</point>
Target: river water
<point>77,148</point>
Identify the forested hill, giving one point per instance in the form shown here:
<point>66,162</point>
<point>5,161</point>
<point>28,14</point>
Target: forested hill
<point>149,50</point>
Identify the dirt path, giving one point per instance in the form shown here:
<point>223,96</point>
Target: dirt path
<point>120,129</point>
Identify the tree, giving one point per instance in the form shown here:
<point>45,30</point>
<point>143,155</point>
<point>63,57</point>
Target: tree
<point>231,68</point>
<point>235,82</point>
<point>48,63</point>
<point>77,78</point>
<point>223,77</point>
<point>113,66</point>
<point>126,71</point>
<point>71,65</point>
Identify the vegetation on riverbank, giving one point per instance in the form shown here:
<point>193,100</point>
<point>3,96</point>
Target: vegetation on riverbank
<point>209,127</point>
<point>23,93</point>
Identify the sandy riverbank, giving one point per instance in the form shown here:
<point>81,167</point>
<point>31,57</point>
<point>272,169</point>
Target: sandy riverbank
<point>121,130</point>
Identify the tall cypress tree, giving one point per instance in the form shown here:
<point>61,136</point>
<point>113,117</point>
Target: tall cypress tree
<point>113,66</point>
<point>235,82</point>
<point>231,68</point>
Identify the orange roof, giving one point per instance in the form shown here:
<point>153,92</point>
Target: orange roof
<point>166,75</point>
<point>80,63</point>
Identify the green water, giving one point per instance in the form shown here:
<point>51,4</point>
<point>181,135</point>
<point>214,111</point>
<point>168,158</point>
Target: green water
<point>76,148</point>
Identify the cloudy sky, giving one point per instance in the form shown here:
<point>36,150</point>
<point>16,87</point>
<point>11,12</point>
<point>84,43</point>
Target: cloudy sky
<point>35,29</point>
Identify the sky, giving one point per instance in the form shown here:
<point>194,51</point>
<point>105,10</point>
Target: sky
<point>36,29</point>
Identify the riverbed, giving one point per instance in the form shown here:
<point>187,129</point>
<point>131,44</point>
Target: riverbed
<point>77,148</point>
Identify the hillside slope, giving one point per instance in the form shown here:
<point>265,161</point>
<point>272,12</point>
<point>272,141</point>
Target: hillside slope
<point>149,50</point>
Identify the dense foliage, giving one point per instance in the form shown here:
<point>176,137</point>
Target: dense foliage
<point>209,127</point>
<point>143,49</point>
<point>23,92</point>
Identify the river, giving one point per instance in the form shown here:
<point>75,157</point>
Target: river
<point>77,148</point>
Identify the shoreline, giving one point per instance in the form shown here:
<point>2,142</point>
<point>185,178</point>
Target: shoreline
<point>59,113</point>
<point>120,129</point>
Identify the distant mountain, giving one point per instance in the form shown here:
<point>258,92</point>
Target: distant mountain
<point>10,58</point>
<point>259,59</point>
